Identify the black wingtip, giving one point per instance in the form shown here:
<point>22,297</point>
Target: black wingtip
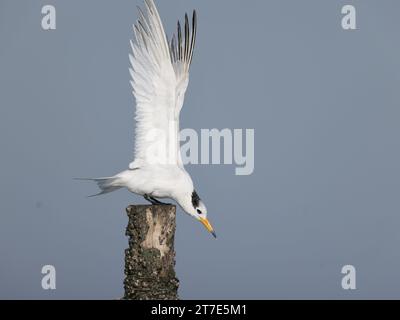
<point>194,18</point>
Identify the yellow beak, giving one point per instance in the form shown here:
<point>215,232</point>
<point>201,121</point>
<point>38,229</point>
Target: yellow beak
<point>208,226</point>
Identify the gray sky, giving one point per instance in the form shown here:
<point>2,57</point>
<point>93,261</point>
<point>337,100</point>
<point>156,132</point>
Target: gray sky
<point>324,104</point>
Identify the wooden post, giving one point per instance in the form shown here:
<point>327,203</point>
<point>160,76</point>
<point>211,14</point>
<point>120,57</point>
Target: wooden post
<point>150,258</point>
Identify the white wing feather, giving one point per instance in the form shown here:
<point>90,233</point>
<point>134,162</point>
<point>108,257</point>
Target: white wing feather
<point>160,76</point>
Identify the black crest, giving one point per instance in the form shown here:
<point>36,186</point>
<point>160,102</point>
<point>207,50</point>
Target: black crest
<point>195,199</point>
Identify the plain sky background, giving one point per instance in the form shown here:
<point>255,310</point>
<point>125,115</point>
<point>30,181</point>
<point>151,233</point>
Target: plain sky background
<point>324,104</point>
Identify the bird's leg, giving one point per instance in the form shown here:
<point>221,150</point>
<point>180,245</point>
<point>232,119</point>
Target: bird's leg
<point>149,199</point>
<point>159,202</point>
<point>154,201</point>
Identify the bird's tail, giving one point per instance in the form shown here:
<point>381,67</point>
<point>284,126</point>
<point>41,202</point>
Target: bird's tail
<point>106,185</point>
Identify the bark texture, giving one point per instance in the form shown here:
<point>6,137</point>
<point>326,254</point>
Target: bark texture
<point>150,258</point>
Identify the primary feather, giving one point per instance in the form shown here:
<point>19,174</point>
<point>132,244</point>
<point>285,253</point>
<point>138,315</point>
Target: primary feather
<point>160,77</point>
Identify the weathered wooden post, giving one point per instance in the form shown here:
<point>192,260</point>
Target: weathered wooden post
<point>150,258</point>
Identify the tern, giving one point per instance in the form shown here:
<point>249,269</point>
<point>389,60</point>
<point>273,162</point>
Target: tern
<point>160,76</point>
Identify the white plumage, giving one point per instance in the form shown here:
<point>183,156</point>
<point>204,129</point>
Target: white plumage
<point>159,84</point>
<point>160,77</point>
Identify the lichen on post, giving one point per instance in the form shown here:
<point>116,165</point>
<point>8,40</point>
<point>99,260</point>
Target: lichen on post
<point>150,258</point>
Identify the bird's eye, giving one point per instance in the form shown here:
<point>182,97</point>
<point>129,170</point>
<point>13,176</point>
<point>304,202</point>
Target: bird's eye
<point>198,211</point>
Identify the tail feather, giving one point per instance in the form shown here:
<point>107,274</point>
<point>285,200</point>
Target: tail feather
<point>106,185</point>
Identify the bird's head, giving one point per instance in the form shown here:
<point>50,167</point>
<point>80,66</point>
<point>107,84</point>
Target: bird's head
<point>193,205</point>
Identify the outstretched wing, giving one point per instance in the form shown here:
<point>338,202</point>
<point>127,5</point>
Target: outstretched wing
<point>160,76</point>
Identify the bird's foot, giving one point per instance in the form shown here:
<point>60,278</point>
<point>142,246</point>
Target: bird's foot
<point>149,199</point>
<point>154,201</point>
<point>159,202</point>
